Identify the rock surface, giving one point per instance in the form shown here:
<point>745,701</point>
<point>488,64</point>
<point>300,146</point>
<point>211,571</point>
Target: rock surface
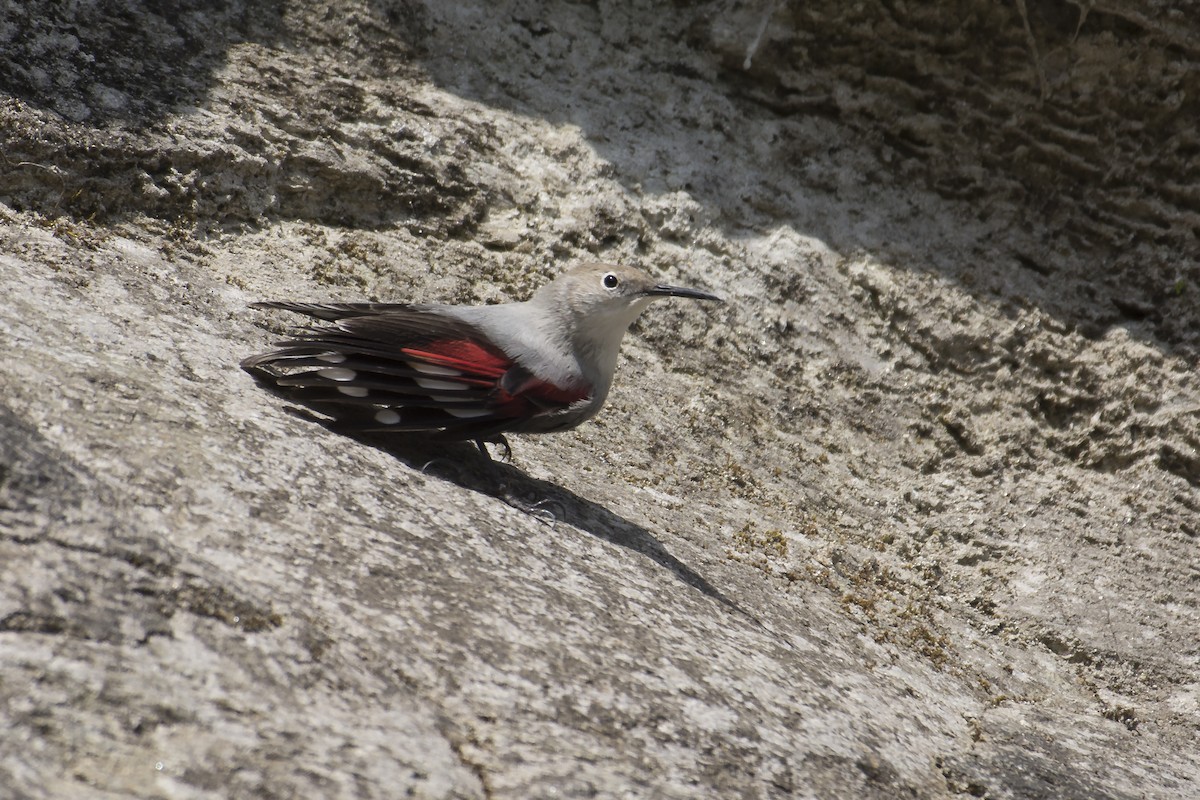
<point>915,514</point>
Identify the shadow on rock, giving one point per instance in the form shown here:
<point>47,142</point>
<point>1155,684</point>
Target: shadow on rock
<point>462,464</point>
<point>129,61</point>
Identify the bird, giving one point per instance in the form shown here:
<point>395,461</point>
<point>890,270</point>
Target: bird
<point>456,372</point>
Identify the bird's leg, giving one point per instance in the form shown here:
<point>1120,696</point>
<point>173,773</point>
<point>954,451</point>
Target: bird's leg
<point>497,438</point>
<point>493,468</point>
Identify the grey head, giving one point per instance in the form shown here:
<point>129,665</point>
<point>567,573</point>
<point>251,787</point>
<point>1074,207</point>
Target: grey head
<point>605,299</point>
<point>594,304</point>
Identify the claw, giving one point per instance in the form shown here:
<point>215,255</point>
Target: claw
<point>495,439</point>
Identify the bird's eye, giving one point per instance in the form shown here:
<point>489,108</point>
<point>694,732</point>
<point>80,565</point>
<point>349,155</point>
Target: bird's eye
<point>611,281</point>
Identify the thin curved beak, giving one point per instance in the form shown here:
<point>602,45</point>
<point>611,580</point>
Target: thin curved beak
<point>680,291</point>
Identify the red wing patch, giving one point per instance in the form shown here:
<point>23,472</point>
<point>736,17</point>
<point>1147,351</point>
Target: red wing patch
<point>471,358</point>
<point>545,394</point>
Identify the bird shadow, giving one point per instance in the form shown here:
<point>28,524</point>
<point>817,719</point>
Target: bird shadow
<point>466,466</point>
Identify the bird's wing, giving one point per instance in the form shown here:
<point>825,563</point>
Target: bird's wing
<point>331,312</point>
<point>405,368</point>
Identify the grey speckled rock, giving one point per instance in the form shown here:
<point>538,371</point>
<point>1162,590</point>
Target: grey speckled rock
<point>913,515</point>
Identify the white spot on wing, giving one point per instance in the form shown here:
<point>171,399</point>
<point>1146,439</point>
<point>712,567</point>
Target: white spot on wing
<point>432,369</point>
<point>353,391</point>
<point>338,374</point>
<point>387,417</point>
<point>467,413</point>
<point>331,358</point>
<point>430,383</point>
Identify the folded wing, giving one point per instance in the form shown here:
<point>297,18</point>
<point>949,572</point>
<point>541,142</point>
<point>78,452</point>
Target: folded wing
<point>384,368</point>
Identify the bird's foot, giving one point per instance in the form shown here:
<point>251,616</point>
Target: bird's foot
<point>499,439</point>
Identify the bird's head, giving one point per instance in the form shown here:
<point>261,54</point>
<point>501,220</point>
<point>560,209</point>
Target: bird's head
<point>607,298</point>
